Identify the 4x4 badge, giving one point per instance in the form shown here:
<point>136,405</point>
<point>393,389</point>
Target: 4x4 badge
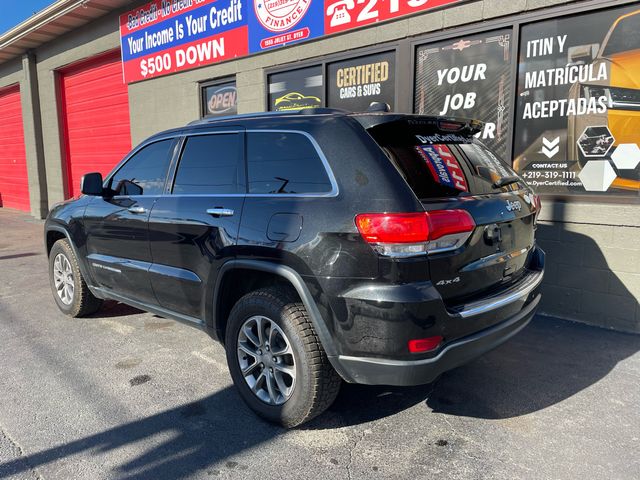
<point>448,282</point>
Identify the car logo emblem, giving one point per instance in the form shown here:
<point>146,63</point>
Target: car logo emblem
<point>514,206</point>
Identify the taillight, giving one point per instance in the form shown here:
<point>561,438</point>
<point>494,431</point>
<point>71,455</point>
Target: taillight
<point>423,345</point>
<point>538,204</point>
<point>411,234</point>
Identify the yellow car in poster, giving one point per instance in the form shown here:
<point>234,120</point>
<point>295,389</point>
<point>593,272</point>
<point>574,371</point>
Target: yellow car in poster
<point>620,52</point>
<point>296,101</point>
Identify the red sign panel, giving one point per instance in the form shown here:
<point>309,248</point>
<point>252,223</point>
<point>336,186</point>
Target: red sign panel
<point>217,48</point>
<point>343,15</point>
<point>164,37</point>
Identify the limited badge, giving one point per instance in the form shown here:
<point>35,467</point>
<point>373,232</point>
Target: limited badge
<point>443,166</point>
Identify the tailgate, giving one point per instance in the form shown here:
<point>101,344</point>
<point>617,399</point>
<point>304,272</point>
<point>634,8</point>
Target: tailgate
<point>448,169</point>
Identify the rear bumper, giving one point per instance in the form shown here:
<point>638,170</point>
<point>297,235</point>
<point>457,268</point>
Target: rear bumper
<point>379,371</point>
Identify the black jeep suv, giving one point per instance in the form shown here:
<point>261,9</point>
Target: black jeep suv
<point>317,246</point>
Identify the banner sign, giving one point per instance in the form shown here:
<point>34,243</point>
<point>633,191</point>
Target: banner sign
<point>274,23</point>
<point>171,36</point>
<point>168,36</point>
<point>577,127</point>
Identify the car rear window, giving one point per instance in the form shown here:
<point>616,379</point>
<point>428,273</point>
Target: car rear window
<point>444,165</point>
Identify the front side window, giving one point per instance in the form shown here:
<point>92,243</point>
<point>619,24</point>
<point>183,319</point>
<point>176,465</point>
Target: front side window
<point>209,165</point>
<point>145,172</point>
<point>284,163</point>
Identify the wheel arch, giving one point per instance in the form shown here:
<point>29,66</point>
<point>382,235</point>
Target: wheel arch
<point>279,273</point>
<point>53,233</point>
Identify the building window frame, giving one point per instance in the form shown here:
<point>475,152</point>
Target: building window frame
<point>204,84</point>
<point>324,61</point>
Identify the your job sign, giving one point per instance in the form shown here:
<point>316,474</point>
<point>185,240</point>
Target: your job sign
<point>468,77</point>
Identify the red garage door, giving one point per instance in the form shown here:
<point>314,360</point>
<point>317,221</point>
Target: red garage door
<point>14,185</point>
<point>95,118</point>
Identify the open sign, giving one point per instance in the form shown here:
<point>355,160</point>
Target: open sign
<point>221,99</point>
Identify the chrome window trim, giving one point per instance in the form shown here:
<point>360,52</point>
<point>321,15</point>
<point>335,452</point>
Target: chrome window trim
<point>334,192</point>
<point>332,179</point>
<point>146,143</point>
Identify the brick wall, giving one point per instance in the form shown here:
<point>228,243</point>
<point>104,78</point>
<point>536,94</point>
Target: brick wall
<point>593,264</point>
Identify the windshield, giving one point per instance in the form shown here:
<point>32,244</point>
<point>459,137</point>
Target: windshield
<point>625,36</point>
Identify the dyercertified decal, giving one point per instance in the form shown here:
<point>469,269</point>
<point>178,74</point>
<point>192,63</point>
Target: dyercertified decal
<point>280,15</point>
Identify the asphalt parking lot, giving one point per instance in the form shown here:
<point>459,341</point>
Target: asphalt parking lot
<point>127,394</point>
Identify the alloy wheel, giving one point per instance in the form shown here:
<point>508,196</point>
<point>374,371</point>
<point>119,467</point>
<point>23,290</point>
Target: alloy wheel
<point>266,360</point>
<point>63,278</point>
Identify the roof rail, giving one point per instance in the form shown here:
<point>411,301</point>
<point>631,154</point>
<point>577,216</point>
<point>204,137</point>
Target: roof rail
<point>321,111</point>
<point>304,111</point>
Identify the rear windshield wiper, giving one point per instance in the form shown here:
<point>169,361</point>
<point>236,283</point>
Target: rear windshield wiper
<point>504,181</point>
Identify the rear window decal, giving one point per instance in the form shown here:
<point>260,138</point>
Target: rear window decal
<point>443,166</point>
<point>447,137</point>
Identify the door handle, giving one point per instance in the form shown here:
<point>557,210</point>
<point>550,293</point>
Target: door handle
<point>220,212</point>
<point>137,210</point>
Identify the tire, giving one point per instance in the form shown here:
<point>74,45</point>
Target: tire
<point>77,301</point>
<point>315,385</point>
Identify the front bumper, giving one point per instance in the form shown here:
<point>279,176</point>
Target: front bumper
<point>379,371</point>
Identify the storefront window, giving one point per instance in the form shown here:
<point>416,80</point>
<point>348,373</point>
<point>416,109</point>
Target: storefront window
<point>355,83</point>
<point>220,99</point>
<point>296,89</point>
<point>468,77</point>
<point>577,126</point>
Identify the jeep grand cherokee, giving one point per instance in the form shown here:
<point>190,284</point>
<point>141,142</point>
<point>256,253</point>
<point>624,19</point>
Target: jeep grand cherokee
<point>318,246</point>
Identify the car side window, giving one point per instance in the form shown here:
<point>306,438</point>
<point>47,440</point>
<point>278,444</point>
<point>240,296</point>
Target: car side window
<point>209,165</point>
<point>145,172</point>
<point>284,162</point>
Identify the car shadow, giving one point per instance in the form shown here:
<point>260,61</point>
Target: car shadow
<point>113,309</point>
<point>20,255</point>
<point>180,442</point>
<point>548,362</point>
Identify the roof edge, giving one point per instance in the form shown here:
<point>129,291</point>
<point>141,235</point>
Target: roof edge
<point>38,20</point>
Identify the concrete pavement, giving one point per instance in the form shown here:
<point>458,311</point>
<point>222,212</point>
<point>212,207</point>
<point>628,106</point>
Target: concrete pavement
<point>127,394</point>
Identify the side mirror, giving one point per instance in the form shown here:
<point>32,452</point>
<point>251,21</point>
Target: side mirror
<point>91,184</point>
